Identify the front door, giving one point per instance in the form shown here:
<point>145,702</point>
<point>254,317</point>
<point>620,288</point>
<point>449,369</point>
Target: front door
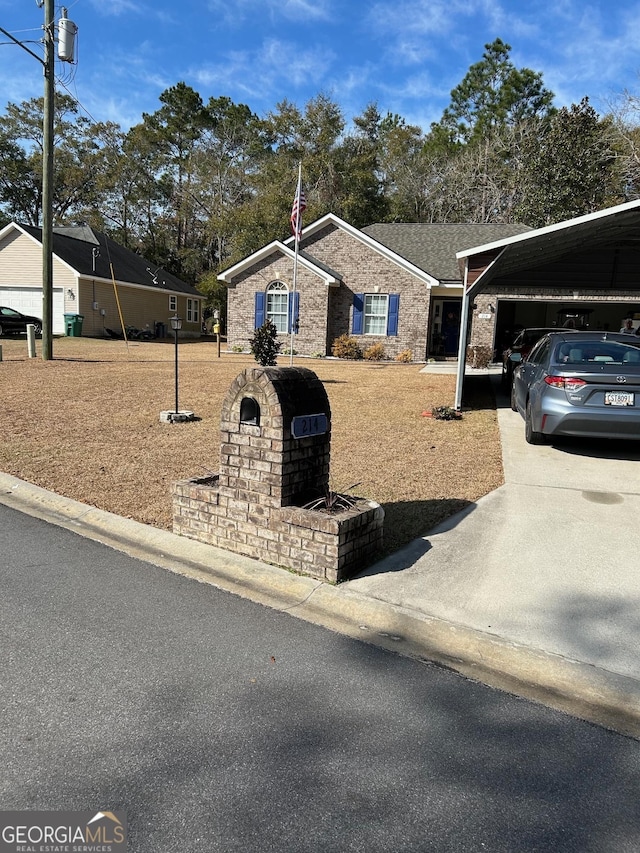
<point>451,325</point>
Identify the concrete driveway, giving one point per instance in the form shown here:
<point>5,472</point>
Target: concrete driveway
<point>551,560</point>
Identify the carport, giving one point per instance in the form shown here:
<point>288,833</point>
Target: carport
<point>585,269</point>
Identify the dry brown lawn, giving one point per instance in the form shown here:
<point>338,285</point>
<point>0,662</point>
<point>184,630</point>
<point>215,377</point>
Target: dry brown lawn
<point>86,425</point>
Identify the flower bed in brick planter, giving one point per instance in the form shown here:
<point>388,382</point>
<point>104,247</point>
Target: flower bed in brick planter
<point>330,546</point>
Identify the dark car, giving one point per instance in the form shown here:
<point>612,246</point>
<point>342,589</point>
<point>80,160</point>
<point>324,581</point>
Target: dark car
<point>579,384</point>
<point>12,322</point>
<point>523,343</point>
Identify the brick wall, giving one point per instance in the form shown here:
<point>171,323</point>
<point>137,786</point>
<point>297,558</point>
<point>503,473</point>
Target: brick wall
<point>326,311</point>
<point>266,459</point>
<point>311,338</point>
<point>362,270</point>
<point>310,542</point>
<point>480,351</point>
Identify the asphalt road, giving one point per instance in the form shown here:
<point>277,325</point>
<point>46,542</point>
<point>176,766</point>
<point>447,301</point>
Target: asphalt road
<point>217,724</point>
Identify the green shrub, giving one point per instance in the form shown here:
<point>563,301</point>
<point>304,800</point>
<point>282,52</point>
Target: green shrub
<point>406,356</point>
<point>265,345</point>
<point>237,348</point>
<point>346,347</point>
<point>374,353</point>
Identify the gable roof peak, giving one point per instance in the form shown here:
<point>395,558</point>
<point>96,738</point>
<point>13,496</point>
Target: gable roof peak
<point>78,232</point>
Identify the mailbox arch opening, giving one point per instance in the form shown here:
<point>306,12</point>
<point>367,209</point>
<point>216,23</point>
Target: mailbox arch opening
<point>249,411</point>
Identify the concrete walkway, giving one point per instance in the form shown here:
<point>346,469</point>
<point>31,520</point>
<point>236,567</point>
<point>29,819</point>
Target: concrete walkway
<point>535,589</point>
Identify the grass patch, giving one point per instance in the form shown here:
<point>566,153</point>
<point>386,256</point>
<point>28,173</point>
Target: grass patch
<point>86,425</point>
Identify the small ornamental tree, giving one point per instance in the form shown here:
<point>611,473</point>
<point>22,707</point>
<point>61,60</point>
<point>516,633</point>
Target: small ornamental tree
<point>265,345</point>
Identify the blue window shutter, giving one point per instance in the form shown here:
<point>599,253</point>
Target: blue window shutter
<point>294,312</point>
<point>259,316</point>
<point>392,314</point>
<point>358,313</point>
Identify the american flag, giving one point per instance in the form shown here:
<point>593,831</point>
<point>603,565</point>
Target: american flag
<point>299,206</point>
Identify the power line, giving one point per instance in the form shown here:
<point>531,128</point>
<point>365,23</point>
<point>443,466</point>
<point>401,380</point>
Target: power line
<point>77,100</point>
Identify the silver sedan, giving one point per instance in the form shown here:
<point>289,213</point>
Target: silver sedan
<point>579,384</point>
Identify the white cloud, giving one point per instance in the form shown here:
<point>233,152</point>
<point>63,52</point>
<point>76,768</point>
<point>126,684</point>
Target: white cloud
<point>125,112</point>
<point>304,9</point>
<point>421,17</point>
<point>118,7</point>
<point>587,51</point>
<point>275,70</point>
<point>237,13</point>
<point>417,87</point>
<point>287,61</point>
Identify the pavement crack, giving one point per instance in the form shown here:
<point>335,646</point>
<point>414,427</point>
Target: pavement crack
<point>302,601</point>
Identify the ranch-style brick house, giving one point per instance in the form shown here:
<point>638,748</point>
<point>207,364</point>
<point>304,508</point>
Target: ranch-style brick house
<point>85,264</point>
<point>396,284</point>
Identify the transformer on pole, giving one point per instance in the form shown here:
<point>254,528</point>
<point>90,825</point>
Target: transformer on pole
<point>67,31</point>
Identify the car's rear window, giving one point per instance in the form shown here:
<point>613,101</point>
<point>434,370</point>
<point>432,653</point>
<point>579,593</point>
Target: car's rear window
<point>593,352</point>
<point>532,336</point>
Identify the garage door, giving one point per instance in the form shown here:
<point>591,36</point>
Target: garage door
<point>28,300</point>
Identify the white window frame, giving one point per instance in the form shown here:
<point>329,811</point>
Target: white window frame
<point>173,304</point>
<point>192,310</point>
<point>279,318</point>
<point>370,317</point>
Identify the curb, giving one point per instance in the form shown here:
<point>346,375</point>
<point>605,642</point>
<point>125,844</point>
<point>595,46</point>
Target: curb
<point>582,690</point>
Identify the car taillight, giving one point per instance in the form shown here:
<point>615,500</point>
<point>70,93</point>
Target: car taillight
<point>568,383</point>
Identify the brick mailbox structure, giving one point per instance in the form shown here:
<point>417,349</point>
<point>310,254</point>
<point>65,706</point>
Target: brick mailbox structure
<point>271,499</point>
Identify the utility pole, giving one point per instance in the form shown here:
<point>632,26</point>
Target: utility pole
<point>66,54</point>
<point>47,182</point>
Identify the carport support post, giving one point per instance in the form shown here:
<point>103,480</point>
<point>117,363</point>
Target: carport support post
<point>462,343</point>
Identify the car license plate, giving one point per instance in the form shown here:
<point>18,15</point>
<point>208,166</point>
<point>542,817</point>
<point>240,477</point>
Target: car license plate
<point>618,398</point>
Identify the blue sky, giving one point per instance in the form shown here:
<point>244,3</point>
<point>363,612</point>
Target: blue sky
<point>406,55</point>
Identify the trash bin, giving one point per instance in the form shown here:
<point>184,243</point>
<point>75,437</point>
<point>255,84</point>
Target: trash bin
<point>161,330</point>
<point>73,325</point>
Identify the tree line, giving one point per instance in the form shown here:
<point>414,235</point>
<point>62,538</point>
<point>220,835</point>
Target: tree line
<point>196,185</point>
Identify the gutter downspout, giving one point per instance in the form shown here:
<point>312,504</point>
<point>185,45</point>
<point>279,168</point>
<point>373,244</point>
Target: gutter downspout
<point>462,343</point>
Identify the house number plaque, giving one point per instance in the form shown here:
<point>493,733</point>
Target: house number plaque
<point>306,425</point>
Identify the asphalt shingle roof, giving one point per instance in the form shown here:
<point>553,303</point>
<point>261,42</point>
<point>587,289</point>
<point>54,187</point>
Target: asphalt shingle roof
<point>432,246</point>
<point>75,246</point>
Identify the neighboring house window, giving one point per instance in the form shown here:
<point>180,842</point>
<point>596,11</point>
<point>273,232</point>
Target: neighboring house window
<point>173,304</point>
<point>192,310</point>
<point>375,314</point>
<point>279,306</point>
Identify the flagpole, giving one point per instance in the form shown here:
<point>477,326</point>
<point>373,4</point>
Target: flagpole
<point>295,262</point>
